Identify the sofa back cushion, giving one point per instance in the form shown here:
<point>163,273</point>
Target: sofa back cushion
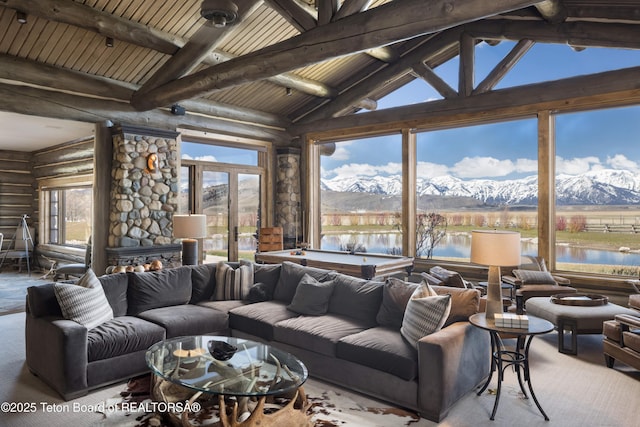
<point>395,296</point>
<point>203,282</point>
<point>154,289</point>
<point>290,275</point>
<point>115,289</point>
<point>357,298</point>
<point>450,278</point>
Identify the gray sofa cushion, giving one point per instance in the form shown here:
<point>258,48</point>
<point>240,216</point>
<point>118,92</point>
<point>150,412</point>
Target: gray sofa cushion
<point>224,306</point>
<point>203,282</point>
<point>115,288</point>
<point>259,319</point>
<point>317,334</point>
<point>187,319</point>
<point>122,335</point>
<point>395,296</point>
<point>290,275</point>
<point>311,297</point>
<point>267,274</point>
<point>154,289</point>
<point>380,348</point>
<point>357,298</point>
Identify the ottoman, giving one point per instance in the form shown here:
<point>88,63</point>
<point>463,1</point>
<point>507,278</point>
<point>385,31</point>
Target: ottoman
<point>575,319</point>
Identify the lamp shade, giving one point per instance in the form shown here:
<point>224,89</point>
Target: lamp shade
<point>189,226</point>
<point>495,248</point>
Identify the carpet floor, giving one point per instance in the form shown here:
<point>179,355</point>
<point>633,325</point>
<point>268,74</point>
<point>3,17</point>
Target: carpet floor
<point>575,391</point>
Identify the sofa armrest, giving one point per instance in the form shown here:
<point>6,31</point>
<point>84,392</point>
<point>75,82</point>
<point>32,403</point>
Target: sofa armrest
<point>56,351</point>
<point>511,280</point>
<point>628,320</point>
<point>562,281</point>
<point>451,362</point>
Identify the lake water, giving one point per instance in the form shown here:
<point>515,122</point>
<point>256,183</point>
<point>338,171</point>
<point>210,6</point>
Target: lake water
<point>458,246</point>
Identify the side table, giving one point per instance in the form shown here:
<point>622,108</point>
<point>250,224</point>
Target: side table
<point>518,358</point>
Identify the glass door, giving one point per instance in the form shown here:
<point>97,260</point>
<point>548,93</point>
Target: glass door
<point>248,215</point>
<point>214,202</point>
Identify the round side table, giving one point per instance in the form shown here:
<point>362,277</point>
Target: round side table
<point>518,358</point>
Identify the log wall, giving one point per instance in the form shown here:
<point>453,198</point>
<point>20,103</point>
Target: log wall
<point>17,192</point>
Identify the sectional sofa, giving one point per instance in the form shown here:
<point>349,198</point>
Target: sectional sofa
<point>348,335</point>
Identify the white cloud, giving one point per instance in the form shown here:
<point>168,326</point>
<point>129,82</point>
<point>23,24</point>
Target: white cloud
<point>355,169</point>
<point>526,165</point>
<point>620,161</point>
<point>482,167</point>
<point>577,165</point>
<point>341,153</point>
<point>431,170</point>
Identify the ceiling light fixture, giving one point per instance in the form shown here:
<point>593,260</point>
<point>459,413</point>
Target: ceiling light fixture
<point>220,12</point>
<point>108,42</point>
<point>21,17</point>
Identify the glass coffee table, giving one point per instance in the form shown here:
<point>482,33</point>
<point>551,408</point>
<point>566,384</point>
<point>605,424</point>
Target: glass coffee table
<point>231,369</point>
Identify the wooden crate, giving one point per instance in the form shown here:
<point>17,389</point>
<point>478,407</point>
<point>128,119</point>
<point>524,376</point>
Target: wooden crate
<point>270,239</point>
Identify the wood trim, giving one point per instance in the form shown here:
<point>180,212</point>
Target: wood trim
<point>409,194</point>
<point>546,188</point>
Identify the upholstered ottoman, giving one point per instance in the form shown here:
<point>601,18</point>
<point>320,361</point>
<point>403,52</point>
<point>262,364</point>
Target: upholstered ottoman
<point>575,319</point>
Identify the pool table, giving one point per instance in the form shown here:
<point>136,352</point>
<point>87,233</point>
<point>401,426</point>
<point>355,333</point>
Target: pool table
<point>364,265</point>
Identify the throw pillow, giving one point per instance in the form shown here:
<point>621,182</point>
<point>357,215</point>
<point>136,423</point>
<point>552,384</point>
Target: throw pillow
<point>84,302</point>
<point>260,292</point>
<point>534,277</point>
<point>425,314</point>
<point>395,296</point>
<point>311,297</point>
<point>233,284</point>
<point>464,303</point>
<point>290,275</point>
<point>450,278</point>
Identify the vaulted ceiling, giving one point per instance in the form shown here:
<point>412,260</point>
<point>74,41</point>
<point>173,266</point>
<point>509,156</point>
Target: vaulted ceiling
<point>280,65</point>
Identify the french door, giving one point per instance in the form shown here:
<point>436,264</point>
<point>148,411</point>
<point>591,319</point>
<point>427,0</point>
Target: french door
<point>231,201</point>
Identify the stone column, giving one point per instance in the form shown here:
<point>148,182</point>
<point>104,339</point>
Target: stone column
<point>287,206</point>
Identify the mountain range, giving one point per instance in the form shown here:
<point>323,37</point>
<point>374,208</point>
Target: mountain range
<point>602,187</point>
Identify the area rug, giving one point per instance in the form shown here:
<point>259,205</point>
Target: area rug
<point>330,407</point>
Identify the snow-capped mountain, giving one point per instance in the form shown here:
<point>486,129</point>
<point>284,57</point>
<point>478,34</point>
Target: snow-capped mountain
<point>603,187</point>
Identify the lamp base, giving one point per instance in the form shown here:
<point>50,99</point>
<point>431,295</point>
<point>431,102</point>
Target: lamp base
<point>494,293</point>
<point>189,252</point>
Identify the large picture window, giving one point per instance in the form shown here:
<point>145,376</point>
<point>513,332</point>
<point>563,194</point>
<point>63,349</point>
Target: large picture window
<point>598,191</point>
<point>68,215</point>
<point>475,177</point>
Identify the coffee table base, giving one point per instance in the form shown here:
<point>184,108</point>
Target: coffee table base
<point>293,414</point>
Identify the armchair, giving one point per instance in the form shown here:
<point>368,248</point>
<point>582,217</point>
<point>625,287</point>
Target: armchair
<point>622,337</point>
<point>532,279</point>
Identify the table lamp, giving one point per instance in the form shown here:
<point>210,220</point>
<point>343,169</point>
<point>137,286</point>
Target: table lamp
<point>189,228</point>
<point>495,249</point>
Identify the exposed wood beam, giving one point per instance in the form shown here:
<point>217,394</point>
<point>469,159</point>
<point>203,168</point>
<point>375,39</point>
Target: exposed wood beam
<point>628,12</point>
<point>608,88</point>
<point>387,74</point>
<point>79,15</point>
<point>552,10</point>
<point>302,18</point>
<point>48,76</point>
<point>429,76</point>
<point>581,34</point>
<point>196,49</point>
<point>504,66</point>
<point>326,10</point>
<point>384,54</point>
<point>363,74</point>
<point>380,26</point>
<point>90,19</point>
<point>466,68</point>
<point>59,105</point>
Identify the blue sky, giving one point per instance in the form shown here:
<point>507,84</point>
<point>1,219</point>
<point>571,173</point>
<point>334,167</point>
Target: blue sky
<point>585,141</point>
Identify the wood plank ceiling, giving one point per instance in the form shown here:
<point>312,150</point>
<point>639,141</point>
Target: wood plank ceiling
<point>282,63</point>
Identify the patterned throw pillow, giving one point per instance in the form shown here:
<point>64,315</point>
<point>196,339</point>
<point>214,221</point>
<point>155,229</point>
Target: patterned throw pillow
<point>233,284</point>
<point>535,277</point>
<point>425,314</point>
<point>84,302</point>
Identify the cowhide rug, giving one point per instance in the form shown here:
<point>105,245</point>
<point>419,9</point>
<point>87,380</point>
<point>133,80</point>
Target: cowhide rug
<point>330,407</point>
